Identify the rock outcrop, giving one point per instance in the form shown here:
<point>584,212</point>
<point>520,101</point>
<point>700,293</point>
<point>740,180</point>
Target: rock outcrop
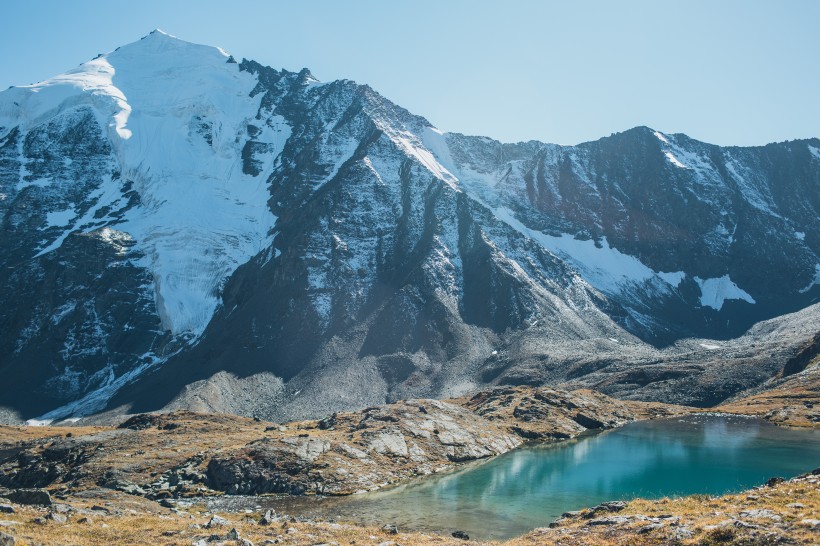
<point>185,454</point>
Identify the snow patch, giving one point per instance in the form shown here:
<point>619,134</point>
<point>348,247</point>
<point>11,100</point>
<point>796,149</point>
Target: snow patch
<point>604,267</point>
<point>800,235</point>
<point>814,282</point>
<point>117,239</point>
<point>815,152</point>
<point>674,160</point>
<point>38,182</point>
<point>661,137</point>
<point>62,312</point>
<point>714,292</point>
<point>709,346</point>
<point>60,218</point>
<point>200,216</point>
<point>39,422</point>
<point>672,279</point>
<point>97,399</point>
<point>412,146</point>
<point>753,189</point>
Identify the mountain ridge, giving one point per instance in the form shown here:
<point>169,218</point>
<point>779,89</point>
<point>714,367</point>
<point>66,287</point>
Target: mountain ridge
<point>343,228</point>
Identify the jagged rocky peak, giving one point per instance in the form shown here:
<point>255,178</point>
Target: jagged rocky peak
<point>179,229</point>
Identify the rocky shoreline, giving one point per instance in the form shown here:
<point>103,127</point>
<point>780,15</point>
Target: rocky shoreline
<point>187,454</point>
<point>136,468</point>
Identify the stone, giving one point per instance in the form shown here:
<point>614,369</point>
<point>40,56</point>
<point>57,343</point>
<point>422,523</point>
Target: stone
<point>268,518</point>
<point>6,509</point>
<point>460,535</point>
<point>683,533</point>
<point>85,520</point>
<point>796,505</point>
<point>760,513</point>
<point>611,506</point>
<point>30,496</point>
<point>771,482</point>
<point>7,540</point>
<point>649,528</point>
<point>572,514</point>
<point>216,521</point>
<point>56,518</point>
<point>233,534</point>
<point>390,529</point>
<point>609,520</point>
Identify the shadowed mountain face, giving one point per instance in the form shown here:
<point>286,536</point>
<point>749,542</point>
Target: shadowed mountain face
<point>181,230</point>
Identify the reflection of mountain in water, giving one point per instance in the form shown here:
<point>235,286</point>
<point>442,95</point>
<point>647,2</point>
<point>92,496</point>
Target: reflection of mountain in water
<point>530,487</point>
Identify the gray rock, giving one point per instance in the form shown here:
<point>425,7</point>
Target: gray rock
<point>268,518</point>
<point>611,506</point>
<point>649,528</point>
<point>760,513</point>
<point>609,520</point>
<point>233,534</point>
<point>390,529</point>
<point>605,507</point>
<point>39,497</point>
<point>6,539</point>
<point>460,535</point>
<point>572,514</point>
<point>683,533</point>
<point>56,518</point>
<point>216,521</point>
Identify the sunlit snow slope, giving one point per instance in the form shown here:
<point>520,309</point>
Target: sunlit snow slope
<point>176,115</point>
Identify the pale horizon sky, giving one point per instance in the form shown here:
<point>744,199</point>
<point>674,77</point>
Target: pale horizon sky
<point>730,72</point>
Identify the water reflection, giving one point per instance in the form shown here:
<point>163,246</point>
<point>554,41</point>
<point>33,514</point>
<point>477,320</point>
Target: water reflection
<point>530,487</point>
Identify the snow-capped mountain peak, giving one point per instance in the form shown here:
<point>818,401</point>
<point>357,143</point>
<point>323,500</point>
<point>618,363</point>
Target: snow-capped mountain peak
<point>179,145</point>
<point>170,215</point>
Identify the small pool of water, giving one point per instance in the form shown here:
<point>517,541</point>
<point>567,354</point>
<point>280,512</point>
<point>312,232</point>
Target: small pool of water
<point>532,486</point>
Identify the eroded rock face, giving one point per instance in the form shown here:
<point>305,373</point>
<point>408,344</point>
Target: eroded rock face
<point>361,451</point>
<point>553,414</point>
<point>183,454</point>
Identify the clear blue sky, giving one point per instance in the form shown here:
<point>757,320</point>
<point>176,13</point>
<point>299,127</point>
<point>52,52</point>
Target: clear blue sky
<point>729,72</point>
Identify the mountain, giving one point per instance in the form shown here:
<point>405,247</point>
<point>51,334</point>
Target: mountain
<point>180,229</point>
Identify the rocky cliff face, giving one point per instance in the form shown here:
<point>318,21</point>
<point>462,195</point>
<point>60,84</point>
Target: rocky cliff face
<point>182,230</point>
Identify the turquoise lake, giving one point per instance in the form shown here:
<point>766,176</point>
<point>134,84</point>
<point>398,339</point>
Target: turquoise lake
<point>532,486</point>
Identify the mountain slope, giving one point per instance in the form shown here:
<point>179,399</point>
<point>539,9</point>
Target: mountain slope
<point>181,229</point>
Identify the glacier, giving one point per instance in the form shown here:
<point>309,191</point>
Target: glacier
<point>201,216</point>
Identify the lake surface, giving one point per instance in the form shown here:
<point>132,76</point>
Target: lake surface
<point>532,486</point>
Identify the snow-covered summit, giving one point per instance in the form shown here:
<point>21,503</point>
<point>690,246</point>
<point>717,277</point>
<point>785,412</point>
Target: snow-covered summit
<point>176,115</point>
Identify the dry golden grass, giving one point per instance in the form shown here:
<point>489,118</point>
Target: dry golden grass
<point>711,521</point>
<point>795,402</point>
<point>138,521</point>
